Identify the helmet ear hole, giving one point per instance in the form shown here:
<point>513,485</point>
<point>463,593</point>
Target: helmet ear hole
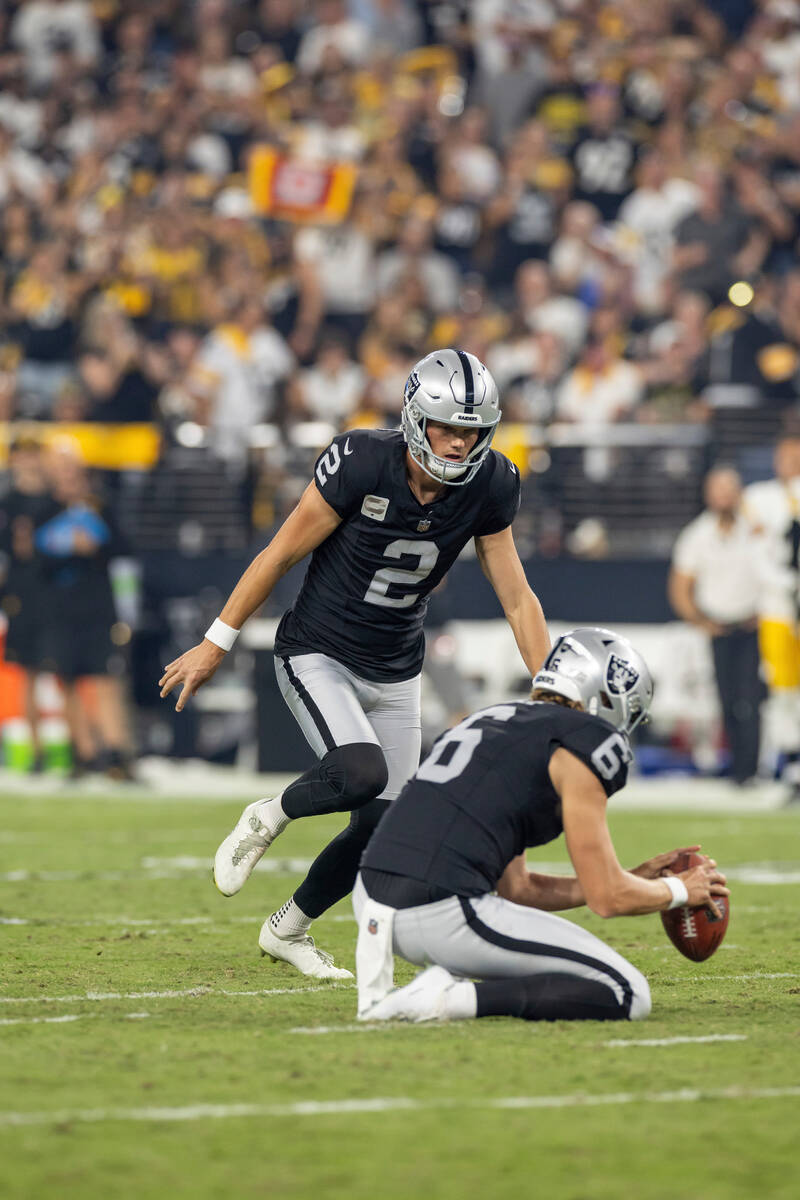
<point>606,700</point>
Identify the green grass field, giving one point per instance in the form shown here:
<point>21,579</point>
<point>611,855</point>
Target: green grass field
<point>146,1049</point>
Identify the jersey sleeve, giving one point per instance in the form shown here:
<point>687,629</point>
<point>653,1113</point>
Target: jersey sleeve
<point>502,503</point>
<point>345,473</point>
<point>604,751</point>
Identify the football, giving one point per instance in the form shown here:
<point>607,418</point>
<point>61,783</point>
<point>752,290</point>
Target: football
<point>696,932</point>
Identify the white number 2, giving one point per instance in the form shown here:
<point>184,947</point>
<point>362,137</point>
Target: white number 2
<point>466,740</point>
<point>329,464</point>
<point>378,590</point>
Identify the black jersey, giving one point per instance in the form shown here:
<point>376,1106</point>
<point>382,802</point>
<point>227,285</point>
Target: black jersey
<point>365,592</point>
<point>484,795</point>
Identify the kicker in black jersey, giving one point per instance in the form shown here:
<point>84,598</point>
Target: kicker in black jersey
<point>484,795</point>
<point>365,592</point>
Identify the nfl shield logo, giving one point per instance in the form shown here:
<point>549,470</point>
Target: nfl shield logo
<point>620,676</point>
<point>423,526</point>
<point>372,925</point>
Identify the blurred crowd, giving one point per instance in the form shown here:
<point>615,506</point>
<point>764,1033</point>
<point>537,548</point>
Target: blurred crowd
<point>600,199</point>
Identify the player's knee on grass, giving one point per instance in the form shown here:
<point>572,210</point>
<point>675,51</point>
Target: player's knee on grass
<point>347,777</point>
<point>641,1003</point>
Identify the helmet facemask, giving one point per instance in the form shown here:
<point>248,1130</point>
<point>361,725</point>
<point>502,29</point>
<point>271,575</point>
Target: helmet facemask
<point>414,424</point>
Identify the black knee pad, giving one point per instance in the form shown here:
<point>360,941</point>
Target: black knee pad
<point>359,769</point>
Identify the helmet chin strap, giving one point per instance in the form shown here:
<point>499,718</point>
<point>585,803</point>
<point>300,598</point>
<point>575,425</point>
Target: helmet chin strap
<point>440,468</point>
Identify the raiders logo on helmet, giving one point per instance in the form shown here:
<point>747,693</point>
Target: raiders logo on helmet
<point>412,385</point>
<point>620,676</point>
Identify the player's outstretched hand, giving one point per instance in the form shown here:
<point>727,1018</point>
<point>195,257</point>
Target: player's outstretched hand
<point>192,669</point>
<point>662,863</point>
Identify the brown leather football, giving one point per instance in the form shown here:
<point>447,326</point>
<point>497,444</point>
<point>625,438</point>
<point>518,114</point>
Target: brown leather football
<point>696,932</point>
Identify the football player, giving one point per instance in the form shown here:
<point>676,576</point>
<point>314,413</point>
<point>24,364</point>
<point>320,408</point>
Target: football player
<point>773,506</point>
<point>384,517</point>
<point>444,881</point>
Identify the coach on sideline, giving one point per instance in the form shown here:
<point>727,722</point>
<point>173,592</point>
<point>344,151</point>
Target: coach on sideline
<point>714,584</point>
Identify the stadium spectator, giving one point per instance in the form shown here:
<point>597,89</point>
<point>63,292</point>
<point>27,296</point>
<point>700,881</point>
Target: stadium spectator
<point>330,389</point>
<point>714,585</point>
<point>235,379</point>
<point>717,243</point>
<point>600,388</point>
<point>414,257</point>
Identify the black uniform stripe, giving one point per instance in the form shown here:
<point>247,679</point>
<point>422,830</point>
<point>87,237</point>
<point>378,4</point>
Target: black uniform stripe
<point>310,704</point>
<point>469,382</point>
<point>509,943</point>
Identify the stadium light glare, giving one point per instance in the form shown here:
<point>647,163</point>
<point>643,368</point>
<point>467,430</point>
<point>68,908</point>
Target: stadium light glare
<point>741,293</point>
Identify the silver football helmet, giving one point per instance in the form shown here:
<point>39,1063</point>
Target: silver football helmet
<point>455,388</point>
<point>603,672</point>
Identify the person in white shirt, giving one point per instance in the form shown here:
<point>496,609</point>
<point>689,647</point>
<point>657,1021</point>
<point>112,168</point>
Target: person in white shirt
<point>713,585</point>
<point>332,388</point>
<point>235,377</point>
<point>601,388</point>
<point>41,28</point>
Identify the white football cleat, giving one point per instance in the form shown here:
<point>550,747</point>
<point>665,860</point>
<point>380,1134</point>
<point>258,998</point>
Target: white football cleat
<point>421,1000</point>
<point>299,950</point>
<point>242,849</point>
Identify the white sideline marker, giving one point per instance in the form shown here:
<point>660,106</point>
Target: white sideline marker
<point>322,1108</point>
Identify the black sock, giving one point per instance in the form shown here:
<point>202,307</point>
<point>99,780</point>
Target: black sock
<point>549,997</point>
<point>333,872</point>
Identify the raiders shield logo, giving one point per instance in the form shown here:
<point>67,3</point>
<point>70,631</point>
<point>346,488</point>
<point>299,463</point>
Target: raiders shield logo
<point>412,385</point>
<point>620,676</point>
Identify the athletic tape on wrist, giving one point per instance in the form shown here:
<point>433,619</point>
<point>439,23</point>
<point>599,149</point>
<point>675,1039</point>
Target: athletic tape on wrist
<point>680,894</point>
<point>222,635</point>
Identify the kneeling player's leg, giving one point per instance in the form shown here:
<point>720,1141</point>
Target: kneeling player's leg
<point>529,964</point>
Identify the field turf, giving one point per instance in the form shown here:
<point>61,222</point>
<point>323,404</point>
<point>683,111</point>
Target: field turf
<point>147,1050</point>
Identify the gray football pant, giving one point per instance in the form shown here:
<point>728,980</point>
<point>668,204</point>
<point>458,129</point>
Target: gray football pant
<point>487,937</point>
<point>335,707</point>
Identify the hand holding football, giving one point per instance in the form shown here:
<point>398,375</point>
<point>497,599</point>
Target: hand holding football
<point>695,929</point>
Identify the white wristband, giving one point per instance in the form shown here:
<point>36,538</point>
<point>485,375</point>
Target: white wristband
<point>222,635</point>
<point>680,895</point>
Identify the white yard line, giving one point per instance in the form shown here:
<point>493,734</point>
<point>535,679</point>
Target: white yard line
<point>202,991</point>
<point>372,1027</point>
<point>322,1108</point>
<point>677,1041</point>
<point>101,997</point>
<point>176,866</point>
<point>135,1016</point>
<point>157,925</point>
